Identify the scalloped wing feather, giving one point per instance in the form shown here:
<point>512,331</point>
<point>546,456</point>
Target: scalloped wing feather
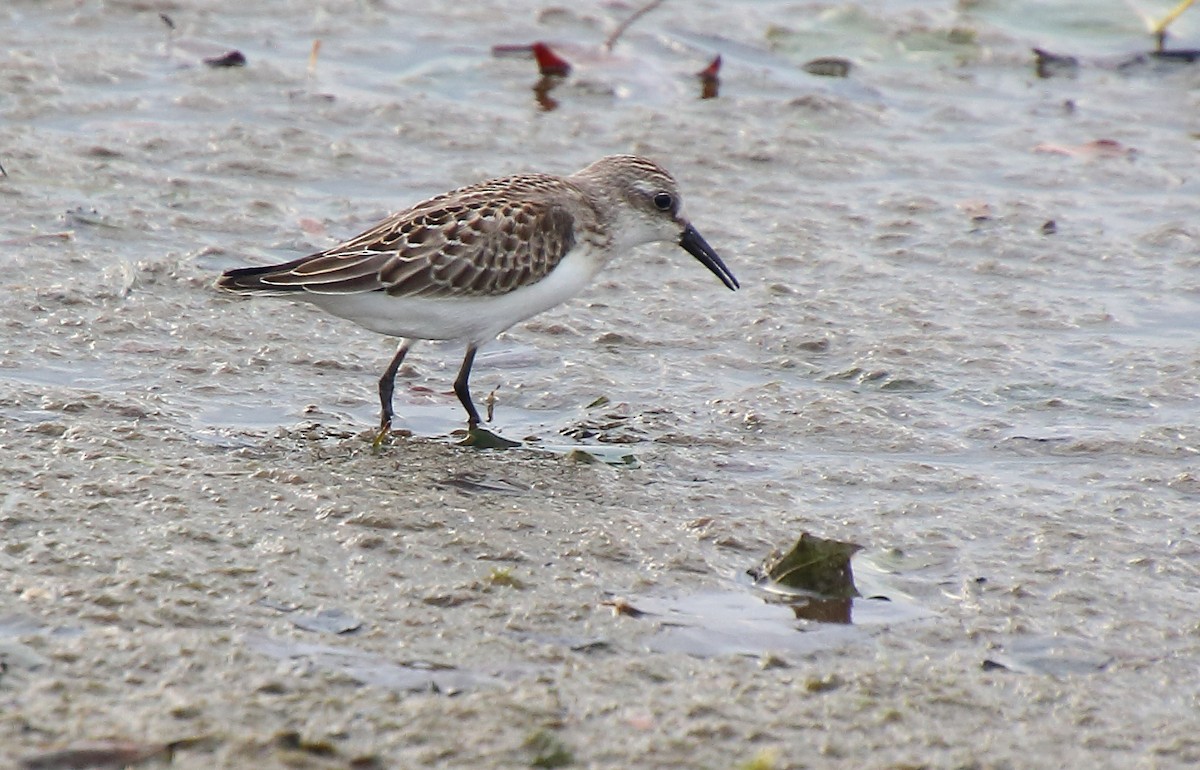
<point>483,240</point>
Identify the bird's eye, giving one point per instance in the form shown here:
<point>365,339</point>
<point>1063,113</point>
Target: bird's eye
<point>663,201</point>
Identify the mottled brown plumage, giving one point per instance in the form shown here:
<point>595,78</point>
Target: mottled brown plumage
<point>483,240</point>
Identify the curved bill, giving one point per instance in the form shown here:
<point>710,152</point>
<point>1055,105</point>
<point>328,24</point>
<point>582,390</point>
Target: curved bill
<point>691,241</point>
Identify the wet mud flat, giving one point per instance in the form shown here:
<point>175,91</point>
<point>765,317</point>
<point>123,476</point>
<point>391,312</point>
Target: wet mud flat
<point>283,604</point>
<point>965,342</point>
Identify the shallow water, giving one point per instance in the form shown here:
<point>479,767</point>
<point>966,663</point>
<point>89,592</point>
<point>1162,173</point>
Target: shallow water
<point>1001,412</point>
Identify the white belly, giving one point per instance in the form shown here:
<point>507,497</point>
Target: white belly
<point>472,319</point>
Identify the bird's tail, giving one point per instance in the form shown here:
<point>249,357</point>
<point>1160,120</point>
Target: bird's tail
<point>256,280</point>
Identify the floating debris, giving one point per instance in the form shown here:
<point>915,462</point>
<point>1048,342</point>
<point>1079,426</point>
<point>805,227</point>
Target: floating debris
<point>490,402</point>
<point>215,58</point>
<point>763,759</point>
<point>62,235</point>
<point>977,210</point>
<point>310,92</point>
<point>620,30</point>
<point>710,81</point>
<point>1048,656</point>
<point>369,669</point>
<point>828,67</point>
<point>295,750</point>
<point>332,621</point>
<point>1049,65</point>
<point>503,577</point>
<point>89,217</point>
<point>228,59</point>
<point>1097,148</point>
<point>1179,55</point>
<point>548,750</point>
<point>276,605</point>
<point>553,65</point>
<point>622,607</point>
<point>312,57</point>
<point>478,483</point>
<point>110,753</point>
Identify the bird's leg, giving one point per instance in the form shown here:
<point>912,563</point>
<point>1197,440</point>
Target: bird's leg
<point>387,385</point>
<point>462,388</point>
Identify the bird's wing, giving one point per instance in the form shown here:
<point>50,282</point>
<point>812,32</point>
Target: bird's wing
<point>466,247</point>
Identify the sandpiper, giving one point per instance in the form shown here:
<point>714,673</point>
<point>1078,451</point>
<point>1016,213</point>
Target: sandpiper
<point>470,263</point>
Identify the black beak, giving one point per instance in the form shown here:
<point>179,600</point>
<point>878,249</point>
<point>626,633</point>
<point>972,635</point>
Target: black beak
<point>691,241</point>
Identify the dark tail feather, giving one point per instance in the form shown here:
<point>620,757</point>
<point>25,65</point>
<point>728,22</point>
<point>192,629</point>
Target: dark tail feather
<point>250,279</point>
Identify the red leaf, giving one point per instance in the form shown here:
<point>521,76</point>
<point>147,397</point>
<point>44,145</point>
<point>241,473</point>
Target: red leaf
<point>712,70</point>
<point>550,63</point>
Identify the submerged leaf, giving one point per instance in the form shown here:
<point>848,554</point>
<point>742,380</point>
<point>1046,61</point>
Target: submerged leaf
<point>97,754</point>
<point>331,621</point>
<point>503,576</point>
<point>828,67</point>
<point>764,759</point>
<point>1048,65</point>
<point>548,750</point>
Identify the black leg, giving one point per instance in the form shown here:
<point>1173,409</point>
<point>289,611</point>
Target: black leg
<point>387,385</point>
<point>462,388</point>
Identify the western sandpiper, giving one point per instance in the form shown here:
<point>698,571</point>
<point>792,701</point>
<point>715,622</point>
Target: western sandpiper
<point>470,263</point>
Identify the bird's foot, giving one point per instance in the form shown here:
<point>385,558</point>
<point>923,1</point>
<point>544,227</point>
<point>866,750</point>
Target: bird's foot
<point>482,438</point>
<point>381,436</point>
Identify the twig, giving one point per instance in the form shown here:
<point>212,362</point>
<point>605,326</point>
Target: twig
<point>170,33</point>
<point>620,30</point>
<point>312,58</point>
<point>63,235</point>
<point>1159,28</point>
